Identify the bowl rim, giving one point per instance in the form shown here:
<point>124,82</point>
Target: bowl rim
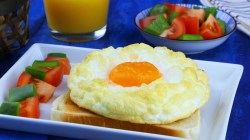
<point>183,4</point>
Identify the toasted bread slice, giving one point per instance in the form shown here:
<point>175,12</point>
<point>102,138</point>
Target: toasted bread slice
<point>65,110</point>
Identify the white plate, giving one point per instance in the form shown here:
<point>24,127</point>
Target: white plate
<point>224,79</point>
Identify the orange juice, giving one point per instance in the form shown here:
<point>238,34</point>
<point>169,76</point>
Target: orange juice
<point>76,16</point>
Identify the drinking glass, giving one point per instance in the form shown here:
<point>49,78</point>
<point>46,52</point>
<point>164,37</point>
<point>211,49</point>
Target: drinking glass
<point>76,20</point>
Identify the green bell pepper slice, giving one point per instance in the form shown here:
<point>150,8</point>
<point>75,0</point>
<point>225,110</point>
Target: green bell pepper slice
<point>222,25</point>
<point>57,55</point>
<point>46,64</point>
<point>190,37</point>
<point>10,108</point>
<point>172,16</point>
<point>158,9</point>
<point>21,93</point>
<point>157,26</point>
<point>210,10</point>
<point>36,72</point>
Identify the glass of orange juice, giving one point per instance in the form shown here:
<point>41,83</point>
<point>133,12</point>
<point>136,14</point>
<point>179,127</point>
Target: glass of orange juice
<point>76,20</point>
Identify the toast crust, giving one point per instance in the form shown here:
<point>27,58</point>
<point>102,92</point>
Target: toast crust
<point>65,110</point>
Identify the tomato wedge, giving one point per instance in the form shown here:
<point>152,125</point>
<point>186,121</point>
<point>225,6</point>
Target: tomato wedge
<point>54,76</point>
<point>24,79</point>
<point>191,25</point>
<point>64,62</point>
<point>176,29</point>
<point>181,10</point>
<point>199,13</point>
<point>30,107</point>
<point>44,90</point>
<point>211,29</point>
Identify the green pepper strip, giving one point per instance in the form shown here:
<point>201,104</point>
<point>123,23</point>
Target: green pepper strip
<point>57,54</point>
<point>157,26</point>
<point>36,72</point>
<point>10,108</point>
<point>190,37</point>
<point>158,9</point>
<point>210,10</point>
<point>222,24</point>
<point>196,7</point>
<point>21,93</point>
<point>46,64</point>
<point>172,16</point>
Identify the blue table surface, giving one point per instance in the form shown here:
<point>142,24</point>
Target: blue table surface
<point>121,32</point>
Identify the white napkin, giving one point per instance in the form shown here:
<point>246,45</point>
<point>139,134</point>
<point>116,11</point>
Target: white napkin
<point>239,9</point>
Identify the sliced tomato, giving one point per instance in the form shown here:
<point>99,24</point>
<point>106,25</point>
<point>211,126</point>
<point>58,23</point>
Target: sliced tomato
<point>64,61</point>
<point>30,107</point>
<point>199,13</point>
<point>191,25</point>
<point>174,7</point>
<point>170,6</point>
<point>211,29</point>
<point>176,29</point>
<point>44,90</point>
<point>54,76</point>
<point>24,79</point>
<point>181,10</point>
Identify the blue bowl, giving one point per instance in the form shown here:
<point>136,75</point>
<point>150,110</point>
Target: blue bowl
<point>188,47</point>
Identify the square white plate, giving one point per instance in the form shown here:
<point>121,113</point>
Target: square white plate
<point>223,78</point>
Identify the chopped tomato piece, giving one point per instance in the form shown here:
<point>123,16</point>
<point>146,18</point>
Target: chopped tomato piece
<point>54,76</point>
<point>174,7</point>
<point>199,13</point>
<point>24,79</point>
<point>211,29</point>
<point>64,62</point>
<point>181,10</point>
<point>44,90</point>
<point>176,29</point>
<point>191,25</point>
<point>30,107</point>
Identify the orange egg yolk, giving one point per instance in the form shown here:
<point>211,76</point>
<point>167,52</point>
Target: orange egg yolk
<point>129,74</point>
